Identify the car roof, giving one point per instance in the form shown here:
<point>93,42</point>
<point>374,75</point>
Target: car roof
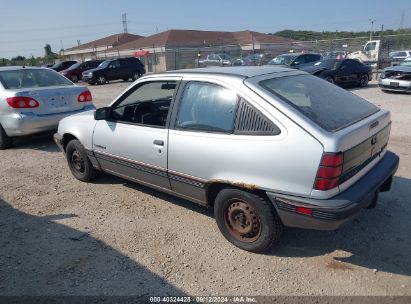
<point>239,71</point>
<point>19,67</point>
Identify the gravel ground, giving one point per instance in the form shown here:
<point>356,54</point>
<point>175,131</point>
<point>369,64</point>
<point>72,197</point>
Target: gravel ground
<point>59,236</point>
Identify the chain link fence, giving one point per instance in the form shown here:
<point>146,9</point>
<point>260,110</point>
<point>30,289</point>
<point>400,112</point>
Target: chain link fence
<point>166,58</point>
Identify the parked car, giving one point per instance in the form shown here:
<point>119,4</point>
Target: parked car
<point>335,55</point>
<point>266,147</point>
<point>62,65</point>
<point>293,60</point>
<point>215,60</point>
<point>396,78</point>
<point>114,69</point>
<point>33,100</point>
<point>253,59</point>
<point>346,71</point>
<point>400,55</point>
<point>74,73</point>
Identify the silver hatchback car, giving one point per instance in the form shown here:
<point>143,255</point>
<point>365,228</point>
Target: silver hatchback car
<point>33,100</point>
<point>266,147</point>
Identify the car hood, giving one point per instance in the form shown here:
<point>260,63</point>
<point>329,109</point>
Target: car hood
<point>92,70</point>
<point>312,69</point>
<point>398,69</point>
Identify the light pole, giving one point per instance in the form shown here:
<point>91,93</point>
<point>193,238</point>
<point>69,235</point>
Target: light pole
<point>372,27</point>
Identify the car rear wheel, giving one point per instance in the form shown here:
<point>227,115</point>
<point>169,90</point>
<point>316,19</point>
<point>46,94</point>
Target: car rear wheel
<point>101,79</point>
<point>74,78</point>
<point>247,220</point>
<point>5,140</point>
<point>364,80</point>
<point>79,163</point>
<point>330,79</point>
<point>136,75</point>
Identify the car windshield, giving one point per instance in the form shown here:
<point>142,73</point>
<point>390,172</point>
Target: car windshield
<point>330,64</point>
<point>31,78</point>
<point>327,105</point>
<point>104,64</point>
<point>283,60</point>
<point>74,66</point>
<point>406,63</point>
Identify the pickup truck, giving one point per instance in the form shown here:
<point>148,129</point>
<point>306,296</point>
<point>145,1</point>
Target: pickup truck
<point>215,60</point>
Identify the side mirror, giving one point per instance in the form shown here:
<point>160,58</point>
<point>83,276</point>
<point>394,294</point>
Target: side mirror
<point>102,113</point>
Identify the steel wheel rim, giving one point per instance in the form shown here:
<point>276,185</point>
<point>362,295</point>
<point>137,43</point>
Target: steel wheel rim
<point>330,79</point>
<point>77,161</point>
<point>74,78</point>
<point>242,222</point>
<point>101,79</point>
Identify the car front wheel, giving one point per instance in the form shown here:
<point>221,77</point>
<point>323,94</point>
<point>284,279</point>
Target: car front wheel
<point>101,79</point>
<point>329,79</point>
<point>79,163</point>
<point>247,220</point>
<point>364,80</point>
<point>74,78</point>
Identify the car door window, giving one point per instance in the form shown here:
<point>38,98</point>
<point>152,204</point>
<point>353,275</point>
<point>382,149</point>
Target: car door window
<point>115,64</point>
<point>299,60</point>
<point>207,107</point>
<point>147,104</point>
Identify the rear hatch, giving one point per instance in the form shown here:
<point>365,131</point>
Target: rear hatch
<point>54,100</point>
<point>343,122</point>
<point>361,155</point>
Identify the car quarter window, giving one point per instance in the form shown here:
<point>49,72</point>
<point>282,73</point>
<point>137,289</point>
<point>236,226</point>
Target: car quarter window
<point>207,107</point>
<point>147,104</point>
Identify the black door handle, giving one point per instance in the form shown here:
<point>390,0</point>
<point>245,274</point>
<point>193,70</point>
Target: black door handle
<point>158,142</point>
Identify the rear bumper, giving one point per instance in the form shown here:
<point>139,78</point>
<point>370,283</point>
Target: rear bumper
<point>331,213</point>
<point>18,124</point>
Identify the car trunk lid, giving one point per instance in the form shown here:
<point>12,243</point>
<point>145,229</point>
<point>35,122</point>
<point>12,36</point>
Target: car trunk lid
<point>53,100</point>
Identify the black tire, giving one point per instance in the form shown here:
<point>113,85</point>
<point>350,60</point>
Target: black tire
<point>264,230</point>
<point>364,80</point>
<point>135,76</point>
<point>126,79</point>
<point>91,83</point>
<point>101,79</point>
<point>74,78</point>
<point>5,140</point>
<point>78,161</point>
<point>330,79</point>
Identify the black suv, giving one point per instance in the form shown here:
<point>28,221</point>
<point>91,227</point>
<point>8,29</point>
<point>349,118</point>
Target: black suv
<point>113,69</point>
<point>74,73</point>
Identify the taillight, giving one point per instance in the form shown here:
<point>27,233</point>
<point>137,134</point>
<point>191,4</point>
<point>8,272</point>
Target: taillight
<point>20,102</point>
<point>329,172</point>
<point>84,97</point>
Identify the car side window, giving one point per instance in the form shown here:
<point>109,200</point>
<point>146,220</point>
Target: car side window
<point>115,64</point>
<point>146,104</point>
<point>207,107</point>
<point>300,60</point>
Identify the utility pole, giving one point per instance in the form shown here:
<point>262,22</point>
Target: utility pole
<point>372,27</point>
<point>402,19</point>
<point>124,22</point>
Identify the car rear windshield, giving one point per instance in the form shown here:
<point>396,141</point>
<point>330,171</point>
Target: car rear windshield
<point>326,104</point>
<point>31,78</point>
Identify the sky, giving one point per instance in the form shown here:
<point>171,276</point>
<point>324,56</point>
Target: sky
<point>27,25</point>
